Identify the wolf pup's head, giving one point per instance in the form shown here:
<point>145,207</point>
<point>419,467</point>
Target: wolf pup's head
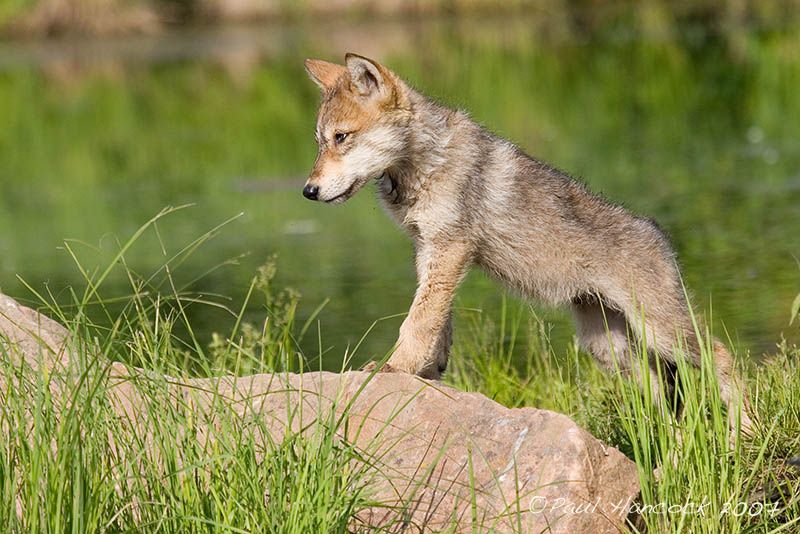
<point>362,126</point>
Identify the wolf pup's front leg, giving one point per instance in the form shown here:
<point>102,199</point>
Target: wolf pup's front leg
<point>424,341</point>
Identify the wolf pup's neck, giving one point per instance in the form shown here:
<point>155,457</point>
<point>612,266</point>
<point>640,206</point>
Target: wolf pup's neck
<point>431,134</point>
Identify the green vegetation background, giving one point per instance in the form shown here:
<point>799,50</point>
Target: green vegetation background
<point>677,119</point>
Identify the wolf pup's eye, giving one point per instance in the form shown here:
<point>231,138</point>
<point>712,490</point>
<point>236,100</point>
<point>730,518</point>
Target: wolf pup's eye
<point>339,137</point>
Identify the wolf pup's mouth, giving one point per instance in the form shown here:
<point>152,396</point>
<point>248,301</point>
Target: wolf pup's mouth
<point>341,197</point>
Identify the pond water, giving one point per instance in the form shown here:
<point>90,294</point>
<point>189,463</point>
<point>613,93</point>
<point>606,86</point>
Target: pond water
<point>688,122</point>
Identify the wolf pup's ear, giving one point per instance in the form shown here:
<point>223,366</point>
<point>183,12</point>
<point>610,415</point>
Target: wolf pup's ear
<point>366,76</point>
<point>323,73</point>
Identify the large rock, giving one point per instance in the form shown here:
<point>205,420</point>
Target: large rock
<point>529,467</point>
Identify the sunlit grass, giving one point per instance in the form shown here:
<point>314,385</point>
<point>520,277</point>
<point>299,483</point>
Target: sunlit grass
<point>70,462</point>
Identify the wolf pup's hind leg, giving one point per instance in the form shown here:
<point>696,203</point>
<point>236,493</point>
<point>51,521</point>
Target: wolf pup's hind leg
<point>605,334</point>
<point>731,389</point>
<point>662,318</point>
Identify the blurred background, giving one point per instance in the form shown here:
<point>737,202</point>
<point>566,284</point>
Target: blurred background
<point>110,110</point>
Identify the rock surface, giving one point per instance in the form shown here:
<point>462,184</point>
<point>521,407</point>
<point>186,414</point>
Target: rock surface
<point>530,468</point>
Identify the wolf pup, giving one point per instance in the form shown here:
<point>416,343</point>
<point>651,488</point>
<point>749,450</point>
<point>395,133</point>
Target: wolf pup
<point>467,197</point>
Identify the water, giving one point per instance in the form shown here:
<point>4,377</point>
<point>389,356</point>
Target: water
<point>677,119</point>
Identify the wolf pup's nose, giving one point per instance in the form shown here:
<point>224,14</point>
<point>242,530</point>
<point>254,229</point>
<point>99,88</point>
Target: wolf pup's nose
<point>311,192</point>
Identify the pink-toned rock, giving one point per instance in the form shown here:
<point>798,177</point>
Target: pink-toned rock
<point>442,454</point>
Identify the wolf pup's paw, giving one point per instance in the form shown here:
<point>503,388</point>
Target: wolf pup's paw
<point>385,368</point>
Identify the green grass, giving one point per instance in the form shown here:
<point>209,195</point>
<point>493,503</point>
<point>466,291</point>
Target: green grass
<point>68,463</point>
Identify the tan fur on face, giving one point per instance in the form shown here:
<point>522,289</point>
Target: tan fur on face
<point>469,198</point>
